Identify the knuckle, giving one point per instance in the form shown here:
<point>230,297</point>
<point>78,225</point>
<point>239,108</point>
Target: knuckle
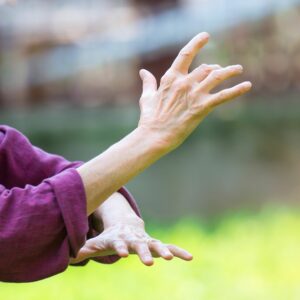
<point>222,95</point>
<point>217,75</point>
<point>200,109</point>
<point>205,67</point>
<point>207,70</point>
<point>100,245</point>
<point>185,53</point>
<point>182,85</point>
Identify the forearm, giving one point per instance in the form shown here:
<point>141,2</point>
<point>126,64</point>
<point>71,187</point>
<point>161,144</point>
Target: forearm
<point>170,113</point>
<point>106,173</point>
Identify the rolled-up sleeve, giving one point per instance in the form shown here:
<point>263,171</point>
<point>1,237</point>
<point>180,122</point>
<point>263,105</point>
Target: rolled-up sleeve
<point>48,187</point>
<point>41,227</point>
<point>22,163</point>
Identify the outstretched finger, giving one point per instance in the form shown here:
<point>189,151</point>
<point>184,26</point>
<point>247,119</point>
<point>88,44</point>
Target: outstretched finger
<point>231,93</point>
<point>121,248</point>
<point>143,252</point>
<point>188,53</point>
<point>180,253</point>
<point>94,248</point>
<point>160,250</point>
<point>200,73</point>
<point>218,76</point>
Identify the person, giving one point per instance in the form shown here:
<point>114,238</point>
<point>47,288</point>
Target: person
<point>52,210</point>
<point>44,220</point>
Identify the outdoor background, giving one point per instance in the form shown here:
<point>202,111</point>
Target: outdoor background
<point>69,81</point>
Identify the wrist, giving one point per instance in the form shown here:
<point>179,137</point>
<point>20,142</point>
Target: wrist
<point>153,140</point>
<point>120,163</point>
<point>129,219</point>
<point>115,209</point>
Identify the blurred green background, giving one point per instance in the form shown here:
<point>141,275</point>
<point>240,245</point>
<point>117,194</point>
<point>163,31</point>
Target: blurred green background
<point>243,256</point>
<point>69,81</point>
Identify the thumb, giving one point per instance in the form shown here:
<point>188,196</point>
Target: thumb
<point>149,81</point>
<point>93,248</point>
<point>83,254</point>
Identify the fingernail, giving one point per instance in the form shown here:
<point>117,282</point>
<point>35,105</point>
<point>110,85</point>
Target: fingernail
<point>149,262</point>
<point>202,36</point>
<point>190,256</point>
<point>205,34</point>
<point>143,72</point>
<point>168,256</point>
<point>248,85</point>
<point>240,67</point>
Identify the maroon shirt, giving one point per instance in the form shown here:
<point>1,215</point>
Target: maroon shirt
<point>43,218</point>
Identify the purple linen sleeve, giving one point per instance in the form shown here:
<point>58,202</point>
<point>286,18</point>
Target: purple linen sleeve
<point>41,227</point>
<point>22,163</point>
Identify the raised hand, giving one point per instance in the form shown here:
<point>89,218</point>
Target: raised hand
<point>169,113</point>
<point>175,108</point>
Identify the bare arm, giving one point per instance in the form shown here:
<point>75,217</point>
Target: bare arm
<point>116,208</point>
<point>169,114</point>
<point>107,172</point>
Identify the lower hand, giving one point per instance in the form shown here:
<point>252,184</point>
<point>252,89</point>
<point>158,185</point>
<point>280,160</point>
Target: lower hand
<point>129,237</point>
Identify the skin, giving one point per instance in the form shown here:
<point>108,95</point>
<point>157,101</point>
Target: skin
<point>169,114</point>
<point>123,234</point>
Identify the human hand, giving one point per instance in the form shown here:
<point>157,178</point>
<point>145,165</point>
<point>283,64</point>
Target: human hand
<point>174,109</point>
<point>129,237</point>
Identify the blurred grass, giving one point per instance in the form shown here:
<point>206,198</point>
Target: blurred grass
<point>243,256</point>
